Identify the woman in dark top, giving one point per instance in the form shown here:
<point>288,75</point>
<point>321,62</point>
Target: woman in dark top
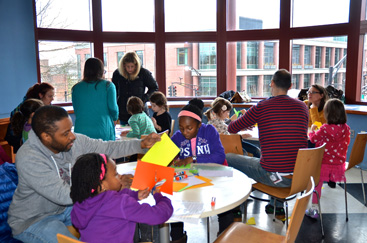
<point>131,79</point>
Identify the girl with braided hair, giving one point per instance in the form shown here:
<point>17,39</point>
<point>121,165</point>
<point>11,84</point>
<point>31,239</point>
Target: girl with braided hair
<point>103,211</point>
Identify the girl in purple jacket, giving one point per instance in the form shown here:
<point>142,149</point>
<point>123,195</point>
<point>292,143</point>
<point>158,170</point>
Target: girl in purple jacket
<point>103,210</point>
<point>199,143</point>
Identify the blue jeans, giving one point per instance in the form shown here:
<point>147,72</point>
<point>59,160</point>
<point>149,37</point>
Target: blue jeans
<point>46,229</point>
<point>250,148</point>
<point>252,168</point>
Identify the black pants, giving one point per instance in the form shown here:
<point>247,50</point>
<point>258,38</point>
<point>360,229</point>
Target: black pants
<point>224,219</point>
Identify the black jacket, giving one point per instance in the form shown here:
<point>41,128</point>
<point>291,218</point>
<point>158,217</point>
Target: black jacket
<point>127,88</point>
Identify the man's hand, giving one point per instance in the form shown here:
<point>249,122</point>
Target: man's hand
<point>126,180</point>
<point>150,140</point>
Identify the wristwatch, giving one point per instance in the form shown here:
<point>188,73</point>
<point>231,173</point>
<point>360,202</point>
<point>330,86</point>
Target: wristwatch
<point>193,159</point>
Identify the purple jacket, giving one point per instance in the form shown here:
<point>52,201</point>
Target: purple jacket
<point>112,216</point>
<point>209,148</point>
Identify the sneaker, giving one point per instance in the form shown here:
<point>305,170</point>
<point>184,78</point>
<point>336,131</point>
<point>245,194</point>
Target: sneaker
<point>331,184</point>
<point>279,212</point>
<point>312,213</point>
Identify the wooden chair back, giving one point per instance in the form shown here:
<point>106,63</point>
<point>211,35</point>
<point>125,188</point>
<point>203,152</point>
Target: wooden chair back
<point>172,128</point>
<point>66,239</point>
<point>231,143</point>
<point>308,163</point>
<point>298,212</point>
<point>357,153</point>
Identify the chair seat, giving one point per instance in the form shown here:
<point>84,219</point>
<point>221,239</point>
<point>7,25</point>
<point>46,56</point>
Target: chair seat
<point>240,232</point>
<point>279,192</point>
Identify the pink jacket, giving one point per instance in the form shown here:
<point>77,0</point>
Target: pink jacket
<point>337,139</point>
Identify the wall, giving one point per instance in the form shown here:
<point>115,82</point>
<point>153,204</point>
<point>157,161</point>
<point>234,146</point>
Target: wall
<point>18,53</point>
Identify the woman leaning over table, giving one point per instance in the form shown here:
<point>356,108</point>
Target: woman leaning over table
<point>94,103</point>
<point>131,79</point>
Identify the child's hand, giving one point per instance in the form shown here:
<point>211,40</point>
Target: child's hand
<point>142,194</point>
<point>126,180</point>
<point>156,190</point>
<point>313,127</point>
<point>154,121</point>
<point>183,162</point>
<point>124,133</point>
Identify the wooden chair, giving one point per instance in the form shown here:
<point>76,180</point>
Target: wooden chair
<point>231,143</point>
<point>66,239</point>
<point>240,232</point>
<point>356,157</point>
<point>308,163</point>
<point>172,127</point>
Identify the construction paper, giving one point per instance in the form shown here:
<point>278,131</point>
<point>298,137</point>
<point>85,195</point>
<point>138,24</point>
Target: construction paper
<point>318,124</point>
<point>162,152</point>
<point>192,183</point>
<point>148,174</point>
<point>236,112</point>
<point>177,186</point>
<point>251,221</point>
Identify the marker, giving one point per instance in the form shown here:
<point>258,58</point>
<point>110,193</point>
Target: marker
<point>180,173</point>
<point>212,203</point>
<point>178,178</point>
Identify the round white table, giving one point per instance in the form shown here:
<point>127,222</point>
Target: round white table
<point>229,192</point>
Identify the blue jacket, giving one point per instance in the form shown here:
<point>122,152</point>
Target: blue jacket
<point>209,148</point>
<point>8,183</point>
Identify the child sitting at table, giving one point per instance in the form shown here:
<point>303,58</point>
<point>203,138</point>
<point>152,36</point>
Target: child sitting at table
<point>161,118</point>
<point>336,134</point>
<point>140,122</point>
<point>21,121</point>
<point>199,143</point>
<point>105,212</point>
<point>217,115</point>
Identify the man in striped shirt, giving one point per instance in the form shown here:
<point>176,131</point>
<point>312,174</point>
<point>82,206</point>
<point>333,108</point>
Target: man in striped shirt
<point>283,124</point>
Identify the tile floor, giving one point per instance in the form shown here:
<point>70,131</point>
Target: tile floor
<point>333,209</point>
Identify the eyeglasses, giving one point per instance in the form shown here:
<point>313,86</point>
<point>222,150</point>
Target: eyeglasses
<point>313,92</point>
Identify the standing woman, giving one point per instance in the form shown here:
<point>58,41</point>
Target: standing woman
<point>131,79</point>
<point>94,102</point>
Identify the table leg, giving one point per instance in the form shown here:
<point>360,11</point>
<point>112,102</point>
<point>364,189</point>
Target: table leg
<point>208,229</point>
<point>164,233</point>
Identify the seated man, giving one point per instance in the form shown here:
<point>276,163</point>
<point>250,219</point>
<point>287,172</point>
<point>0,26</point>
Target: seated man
<point>283,123</point>
<point>41,203</point>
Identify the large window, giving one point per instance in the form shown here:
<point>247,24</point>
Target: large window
<point>205,47</point>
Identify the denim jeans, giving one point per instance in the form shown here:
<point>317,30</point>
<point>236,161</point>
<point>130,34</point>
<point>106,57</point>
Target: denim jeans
<point>251,148</point>
<point>46,229</point>
<point>252,168</point>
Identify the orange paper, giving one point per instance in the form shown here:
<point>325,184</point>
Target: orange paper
<point>207,183</point>
<point>177,186</point>
<point>147,174</point>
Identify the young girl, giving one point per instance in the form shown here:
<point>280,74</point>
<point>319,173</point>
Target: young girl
<point>140,122</point>
<point>199,143</point>
<point>22,119</point>
<point>217,116</point>
<point>161,118</point>
<point>336,134</point>
<point>103,211</point>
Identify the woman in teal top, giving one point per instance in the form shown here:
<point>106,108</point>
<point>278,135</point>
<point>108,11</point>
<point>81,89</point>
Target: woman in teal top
<point>94,103</point>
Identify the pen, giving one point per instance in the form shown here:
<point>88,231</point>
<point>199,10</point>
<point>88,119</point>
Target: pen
<point>180,173</point>
<point>212,203</point>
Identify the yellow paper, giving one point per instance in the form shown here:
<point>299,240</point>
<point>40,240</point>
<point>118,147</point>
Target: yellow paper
<point>318,124</point>
<point>251,221</point>
<point>162,152</point>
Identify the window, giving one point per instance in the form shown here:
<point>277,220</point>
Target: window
<point>62,65</point>
<point>269,55</point>
<point>307,57</point>
<point>181,56</point>
<point>327,57</point>
<point>105,59</point>
<point>208,86</point>
<point>207,56</point>
<point>266,88</point>
<point>190,15</point>
<point>252,86</point>
<point>306,81</point>
<point>316,12</point>
<point>141,56</point>
<point>120,54</point>
<point>252,54</point>
<point>254,15</point>
<point>295,81</point>
<point>296,57</point>
<point>318,57</point>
